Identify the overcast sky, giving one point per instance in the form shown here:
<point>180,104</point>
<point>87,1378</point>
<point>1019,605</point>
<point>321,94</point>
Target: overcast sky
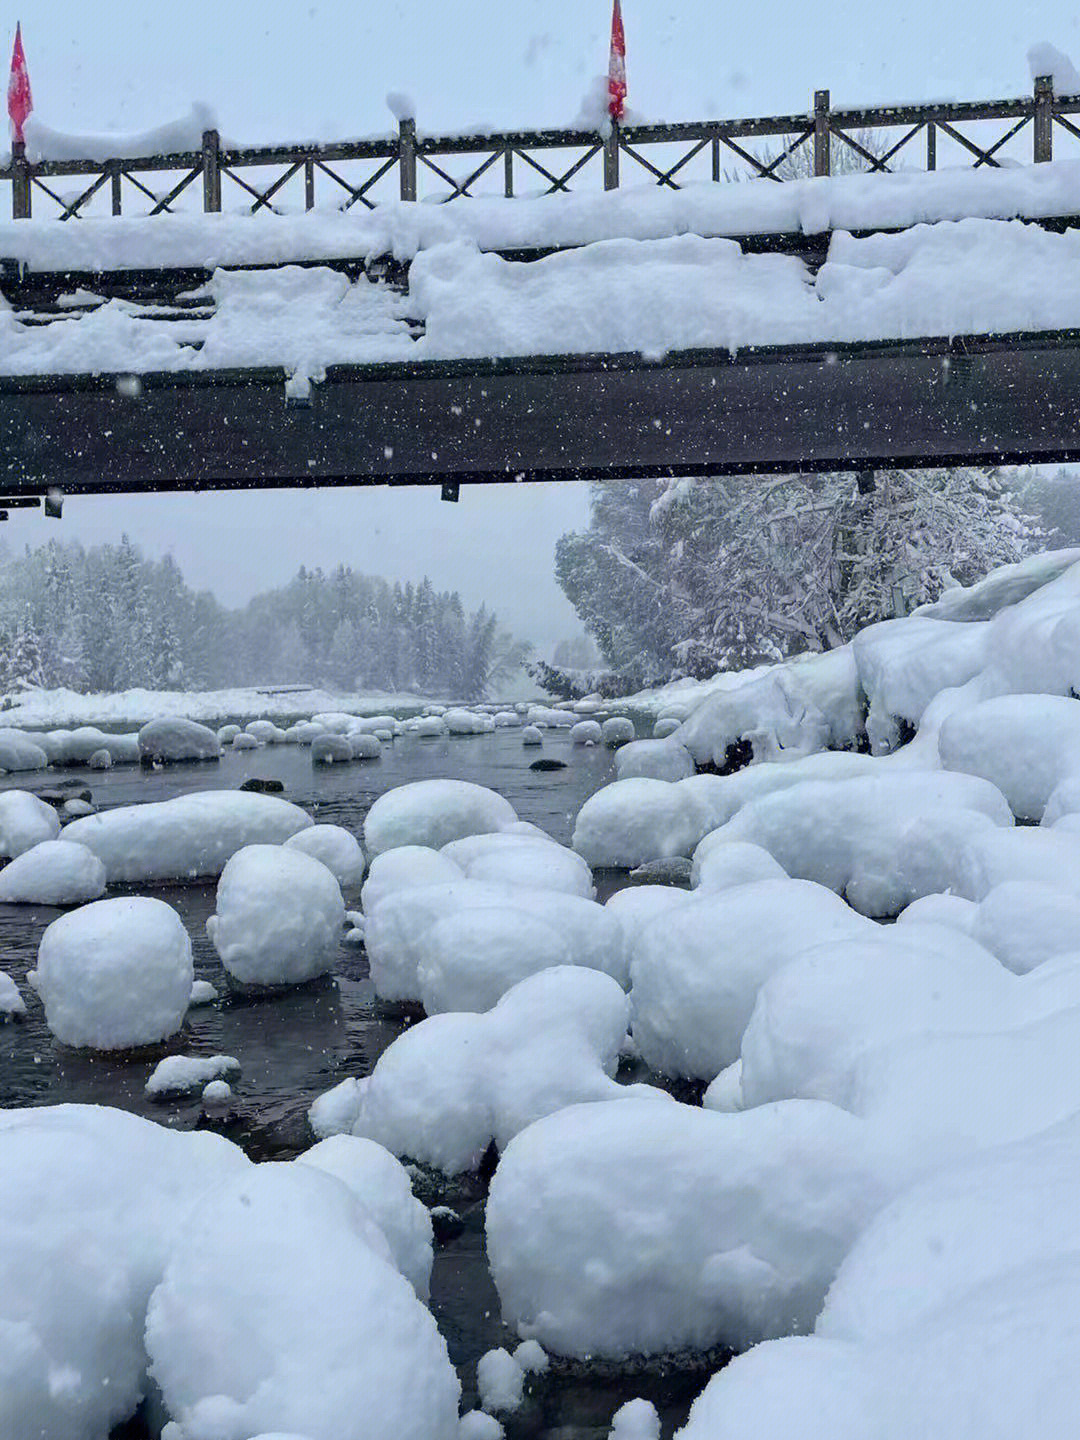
<point>276,71</point>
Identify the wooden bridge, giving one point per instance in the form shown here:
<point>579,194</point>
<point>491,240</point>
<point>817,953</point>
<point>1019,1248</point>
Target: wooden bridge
<point>981,399</point>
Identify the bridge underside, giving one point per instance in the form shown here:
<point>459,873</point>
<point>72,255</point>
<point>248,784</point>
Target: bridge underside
<point>1004,400</point>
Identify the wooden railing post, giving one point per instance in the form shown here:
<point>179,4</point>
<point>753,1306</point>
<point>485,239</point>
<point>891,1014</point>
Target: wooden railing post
<point>20,182</point>
<point>821,132</point>
<point>1044,118</point>
<point>407,158</point>
<point>611,158</point>
<point>211,171</point>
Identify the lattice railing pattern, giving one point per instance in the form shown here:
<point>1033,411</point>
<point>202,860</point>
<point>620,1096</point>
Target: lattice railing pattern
<point>409,166</point>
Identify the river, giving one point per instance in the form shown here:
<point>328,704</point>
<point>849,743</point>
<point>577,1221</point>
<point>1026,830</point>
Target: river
<point>294,1044</point>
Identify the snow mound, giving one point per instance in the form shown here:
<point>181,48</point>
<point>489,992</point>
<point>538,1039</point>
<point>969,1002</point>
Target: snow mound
<point>337,848</point>
<point>56,872</point>
<point>619,730</point>
<point>115,974</point>
<point>25,821</point>
<point>398,928</point>
<point>532,735</point>
<point>178,739</point>
<point>531,860</point>
<point>183,839</point>
<point>329,1338</point>
<point>746,1217</point>
<point>408,867</point>
<point>631,822</point>
<point>587,732</point>
<point>696,969</point>
<point>850,835</point>
<point>1026,745</point>
<point>434,812</point>
<point>500,1381</point>
<point>279,916</point>
<point>18,752</point>
<point>92,1199</point>
<point>381,1184</point>
<point>720,864</point>
<point>472,957</point>
<point>654,760</point>
<point>448,1087</point>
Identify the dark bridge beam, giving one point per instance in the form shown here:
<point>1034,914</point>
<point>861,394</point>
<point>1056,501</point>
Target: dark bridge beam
<point>1012,399</point>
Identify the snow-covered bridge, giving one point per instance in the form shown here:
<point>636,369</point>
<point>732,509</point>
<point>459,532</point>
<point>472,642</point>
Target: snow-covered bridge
<point>861,320</point>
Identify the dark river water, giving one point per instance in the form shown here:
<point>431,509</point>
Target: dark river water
<point>294,1044</point>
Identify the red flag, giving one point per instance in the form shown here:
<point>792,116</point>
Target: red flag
<point>19,100</point>
<point>617,66</point>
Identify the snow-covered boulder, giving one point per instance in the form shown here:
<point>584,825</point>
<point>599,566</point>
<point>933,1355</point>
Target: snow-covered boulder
<point>855,836</point>
<point>587,732</point>
<point>1023,922</point>
<point>337,848</point>
<point>665,727</point>
<point>548,719</point>
<point>178,739</point>
<point>631,822</point>
<point>991,1329</point>
<point>448,1087</point>
<point>428,727</point>
<point>397,928</point>
<point>696,970</point>
<point>78,747</point>
<point>56,872</point>
<point>720,864</point>
<point>365,746</point>
<point>331,749</point>
<point>178,1074</point>
<point>1026,745</point>
<point>407,867</point>
<point>25,821</point>
<point>619,730</point>
<point>263,730</point>
<point>649,1227</point>
<point>243,741</point>
<point>506,719</point>
<point>904,664</point>
<point>183,839</point>
<point>532,735</point>
<point>11,1002</point>
<point>434,812</point>
<point>472,957</point>
<point>227,734</point>
<point>115,974</point>
<point>92,1198</point>
<point>531,860</point>
<point>654,760</point>
<point>325,1338</point>
<point>100,760</point>
<point>19,752</point>
<point>381,1183</point>
<point>279,916</point>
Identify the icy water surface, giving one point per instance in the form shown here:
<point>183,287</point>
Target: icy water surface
<point>294,1044</point>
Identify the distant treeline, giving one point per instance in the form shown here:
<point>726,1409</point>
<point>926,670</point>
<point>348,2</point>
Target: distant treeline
<point>107,618</point>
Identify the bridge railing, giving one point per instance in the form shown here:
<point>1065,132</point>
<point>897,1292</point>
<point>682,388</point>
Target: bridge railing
<point>412,166</point>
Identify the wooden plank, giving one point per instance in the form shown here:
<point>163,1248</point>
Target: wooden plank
<point>1007,400</point>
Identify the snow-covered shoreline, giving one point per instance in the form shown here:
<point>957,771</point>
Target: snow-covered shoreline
<point>55,709</point>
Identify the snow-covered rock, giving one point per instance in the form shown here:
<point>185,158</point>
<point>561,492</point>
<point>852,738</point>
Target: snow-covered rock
<point>654,760</point>
<point>11,1002</point>
<point>227,734</point>
<point>183,839</point>
<point>720,864</point>
<point>244,741</point>
<point>56,872</point>
<point>279,916</point>
<point>665,727</point>
<point>648,1227</point>
<point>856,836</point>
<point>381,1184</point>
<point>696,970</point>
<point>532,735</point>
<point>631,822</point>
<point>92,1199</point>
<point>434,812</point>
<point>25,821</point>
<point>1026,745</point>
<point>115,974</point>
<point>365,747</point>
<point>19,752</point>
<point>337,848</point>
<point>472,957</point>
<point>619,730</point>
<point>177,1074</point>
<point>531,860</point>
<point>100,760</point>
<point>428,727</point>
<point>407,867</point>
<point>328,1339</point>
<point>586,732</point>
<point>446,1088</point>
<point>331,749</point>
<point>500,1381</point>
<point>178,739</point>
